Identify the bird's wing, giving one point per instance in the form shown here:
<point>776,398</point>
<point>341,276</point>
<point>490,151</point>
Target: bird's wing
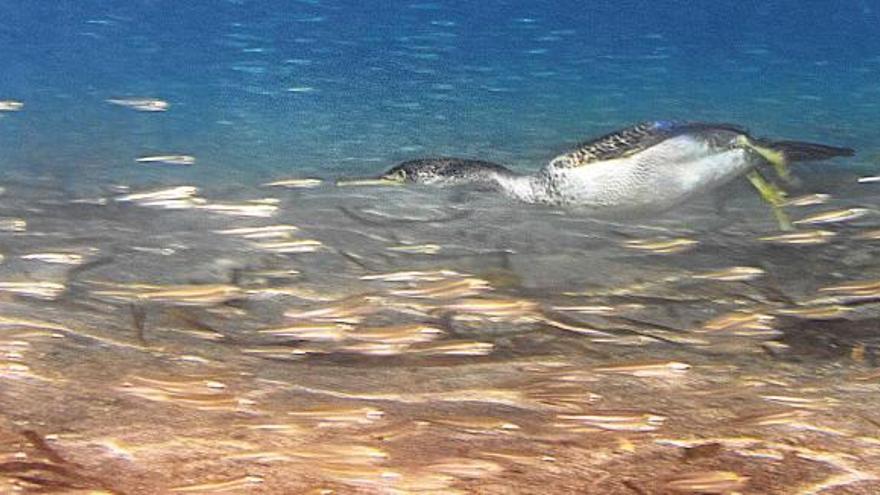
<point>634,139</point>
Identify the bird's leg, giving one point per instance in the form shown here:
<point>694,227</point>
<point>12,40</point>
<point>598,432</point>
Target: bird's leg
<point>769,191</point>
<point>773,157</point>
<point>773,195</point>
<point>783,171</point>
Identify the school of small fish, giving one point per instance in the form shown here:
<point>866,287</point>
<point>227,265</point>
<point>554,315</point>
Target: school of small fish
<point>269,356</point>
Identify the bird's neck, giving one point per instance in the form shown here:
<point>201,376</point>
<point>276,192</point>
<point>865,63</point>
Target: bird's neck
<point>526,188</point>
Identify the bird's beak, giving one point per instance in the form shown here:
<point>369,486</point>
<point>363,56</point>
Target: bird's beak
<point>385,180</point>
<point>368,182</point>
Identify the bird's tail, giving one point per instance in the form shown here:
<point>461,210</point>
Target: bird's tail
<point>782,153</point>
<point>799,151</point>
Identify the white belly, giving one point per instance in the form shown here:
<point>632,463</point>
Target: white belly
<point>655,179</point>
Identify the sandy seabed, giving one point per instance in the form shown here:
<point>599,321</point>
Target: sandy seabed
<point>407,340</point>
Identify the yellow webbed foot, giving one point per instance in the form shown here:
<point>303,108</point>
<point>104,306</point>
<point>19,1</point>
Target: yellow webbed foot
<point>773,195</point>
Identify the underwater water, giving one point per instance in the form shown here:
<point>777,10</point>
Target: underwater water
<point>190,304</point>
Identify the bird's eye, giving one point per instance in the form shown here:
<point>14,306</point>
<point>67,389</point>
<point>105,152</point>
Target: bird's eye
<point>397,176</point>
<point>562,162</point>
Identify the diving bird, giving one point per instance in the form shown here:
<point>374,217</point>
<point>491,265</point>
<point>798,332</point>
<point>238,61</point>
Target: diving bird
<point>652,166</point>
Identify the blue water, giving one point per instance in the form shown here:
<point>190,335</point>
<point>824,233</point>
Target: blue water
<point>264,89</point>
<point>391,340</point>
